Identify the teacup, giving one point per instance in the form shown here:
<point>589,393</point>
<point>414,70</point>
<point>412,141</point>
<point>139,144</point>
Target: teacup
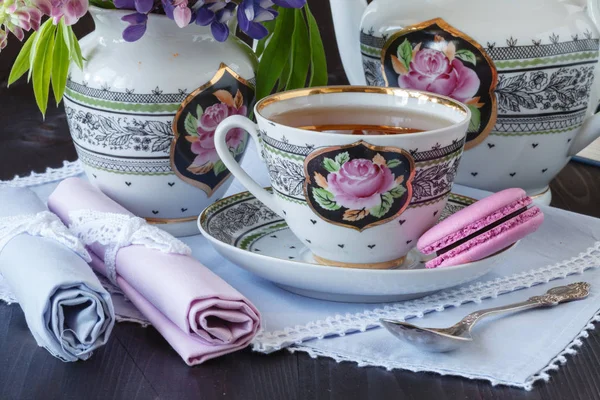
<point>347,178</point>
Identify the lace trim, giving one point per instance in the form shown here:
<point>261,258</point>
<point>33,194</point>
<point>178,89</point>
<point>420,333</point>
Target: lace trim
<point>44,224</point>
<point>115,231</point>
<point>69,169</point>
<point>544,375</point>
<point>339,325</point>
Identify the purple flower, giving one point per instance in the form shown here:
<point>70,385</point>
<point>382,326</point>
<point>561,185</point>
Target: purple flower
<point>137,21</point>
<point>137,26</point>
<point>250,15</point>
<point>216,13</point>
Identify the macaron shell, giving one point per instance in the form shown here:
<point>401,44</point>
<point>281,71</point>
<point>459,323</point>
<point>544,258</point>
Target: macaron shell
<point>492,241</point>
<point>472,218</point>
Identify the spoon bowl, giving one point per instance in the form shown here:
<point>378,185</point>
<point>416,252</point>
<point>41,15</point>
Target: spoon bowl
<point>440,340</point>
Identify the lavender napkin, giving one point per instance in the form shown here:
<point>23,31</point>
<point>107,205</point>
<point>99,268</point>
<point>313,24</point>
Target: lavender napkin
<point>66,308</point>
<point>198,313</point>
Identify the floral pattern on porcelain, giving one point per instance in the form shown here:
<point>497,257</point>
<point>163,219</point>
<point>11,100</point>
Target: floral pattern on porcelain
<point>435,57</point>
<point>193,155</point>
<point>359,185</point>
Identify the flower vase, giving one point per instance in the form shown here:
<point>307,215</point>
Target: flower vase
<point>142,115</point>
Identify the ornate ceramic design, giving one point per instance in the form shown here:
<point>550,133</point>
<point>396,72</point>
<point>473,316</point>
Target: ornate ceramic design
<point>193,155</point>
<point>435,57</point>
<point>359,185</point>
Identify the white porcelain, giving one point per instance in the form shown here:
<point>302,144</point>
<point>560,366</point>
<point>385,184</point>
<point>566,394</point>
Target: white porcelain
<point>413,172</point>
<point>122,106</point>
<point>538,43</point>
<point>249,234</point>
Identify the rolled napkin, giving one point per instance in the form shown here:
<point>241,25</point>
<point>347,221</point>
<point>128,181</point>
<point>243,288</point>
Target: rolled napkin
<point>199,314</point>
<point>66,308</point>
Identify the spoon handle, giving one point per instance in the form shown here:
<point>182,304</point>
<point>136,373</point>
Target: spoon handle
<point>552,297</point>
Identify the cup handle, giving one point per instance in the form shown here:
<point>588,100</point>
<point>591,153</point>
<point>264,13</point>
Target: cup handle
<point>238,121</point>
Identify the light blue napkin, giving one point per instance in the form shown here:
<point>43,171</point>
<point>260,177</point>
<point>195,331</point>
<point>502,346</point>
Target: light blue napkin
<point>66,308</point>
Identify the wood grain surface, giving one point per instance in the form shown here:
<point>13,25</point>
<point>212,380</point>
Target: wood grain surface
<point>138,364</point>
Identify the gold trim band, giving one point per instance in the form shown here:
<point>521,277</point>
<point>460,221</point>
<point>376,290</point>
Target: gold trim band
<point>381,265</point>
<point>161,221</point>
<point>535,196</point>
<point>415,94</point>
<point>356,129</point>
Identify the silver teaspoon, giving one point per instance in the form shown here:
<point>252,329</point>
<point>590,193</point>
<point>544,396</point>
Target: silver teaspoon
<point>441,340</point>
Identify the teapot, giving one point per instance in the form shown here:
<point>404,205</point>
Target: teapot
<point>525,69</point>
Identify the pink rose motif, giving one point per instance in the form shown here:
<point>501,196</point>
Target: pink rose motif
<point>432,71</point>
<point>359,183</point>
<point>204,147</point>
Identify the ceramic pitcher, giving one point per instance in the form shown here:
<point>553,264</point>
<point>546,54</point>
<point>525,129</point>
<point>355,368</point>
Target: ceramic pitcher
<point>525,69</point>
<point>142,115</point>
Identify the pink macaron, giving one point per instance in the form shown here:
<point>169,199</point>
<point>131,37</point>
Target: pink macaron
<point>481,229</point>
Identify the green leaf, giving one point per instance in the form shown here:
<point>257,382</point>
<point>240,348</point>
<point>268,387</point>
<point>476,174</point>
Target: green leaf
<point>318,62</point>
<point>219,167</point>
<point>42,67</point>
<point>191,125</point>
<point>103,4</point>
<point>46,26</point>
<point>467,56</point>
<point>386,203</point>
<point>404,53</point>
<point>239,150</point>
<point>270,25</point>
<point>60,63</point>
<point>199,111</point>
<point>393,163</point>
<point>398,191</point>
<point>475,122</point>
<point>331,165</point>
<point>300,54</point>
<point>276,54</point>
<point>75,49</point>
<point>22,63</point>
<point>325,199</point>
<point>342,158</point>
<point>285,75</point>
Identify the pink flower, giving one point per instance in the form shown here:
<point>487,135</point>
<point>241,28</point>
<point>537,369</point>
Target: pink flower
<point>71,10</point>
<point>204,147</point>
<point>432,71</point>
<point>359,184</point>
<point>182,14</point>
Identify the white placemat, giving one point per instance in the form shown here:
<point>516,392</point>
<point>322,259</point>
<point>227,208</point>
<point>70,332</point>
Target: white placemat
<point>566,244</point>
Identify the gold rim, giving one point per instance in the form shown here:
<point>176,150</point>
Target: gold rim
<point>415,94</point>
<point>381,265</point>
<point>160,221</point>
<point>535,196</point>
<point>456,33</point>
<point>382,129</point>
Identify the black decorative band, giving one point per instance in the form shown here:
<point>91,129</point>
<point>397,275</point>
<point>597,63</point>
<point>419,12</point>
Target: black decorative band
<point>512,52</point>
<point>539,123</point>
<point>418,156</point>
<point>128,97</point>
<point>436,153</point>
<point>158,166</point>
<point>287,147</point>
<point>542,50</point>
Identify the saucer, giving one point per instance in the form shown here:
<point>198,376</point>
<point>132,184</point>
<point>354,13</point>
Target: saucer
<point>247,233</point>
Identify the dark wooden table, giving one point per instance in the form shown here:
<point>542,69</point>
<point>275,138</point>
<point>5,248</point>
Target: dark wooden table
<point>137,363</point>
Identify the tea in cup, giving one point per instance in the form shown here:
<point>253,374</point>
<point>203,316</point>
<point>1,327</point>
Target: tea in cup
<point>358,173</point>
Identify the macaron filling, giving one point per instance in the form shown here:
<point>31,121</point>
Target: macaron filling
<point>481,231</point>
<point>476,227</point>
<point>494,234</point>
